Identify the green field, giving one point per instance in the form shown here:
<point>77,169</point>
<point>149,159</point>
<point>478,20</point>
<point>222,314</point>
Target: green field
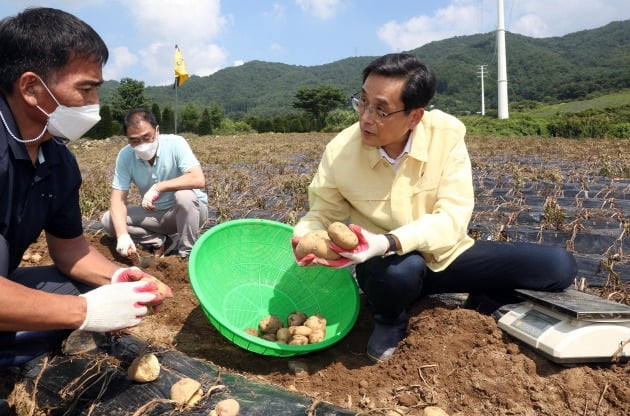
<point>605,101</point>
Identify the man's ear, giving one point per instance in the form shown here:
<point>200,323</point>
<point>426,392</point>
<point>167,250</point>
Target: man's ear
<point>28,86</point>
<point>416,117</point>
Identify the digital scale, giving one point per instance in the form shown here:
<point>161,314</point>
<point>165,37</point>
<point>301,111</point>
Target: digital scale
<point>570,326</point>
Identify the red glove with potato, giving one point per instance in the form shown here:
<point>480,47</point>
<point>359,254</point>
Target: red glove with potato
<point>312,259</point>
<point>132,274</point>
<point>370,245</point>
<point>340,247</point>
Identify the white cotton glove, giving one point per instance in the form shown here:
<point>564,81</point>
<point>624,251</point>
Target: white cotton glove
<point>125,245</point>
<point>370,245</point>
<point>117,306</point>
<point>149,198</point>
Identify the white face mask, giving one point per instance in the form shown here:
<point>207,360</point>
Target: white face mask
<point>146,151</point>
<point>71,122</point>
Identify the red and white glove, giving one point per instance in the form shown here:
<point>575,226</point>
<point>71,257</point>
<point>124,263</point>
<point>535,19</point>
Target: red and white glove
<point>128,274</point>
<point>370,245</point>
<point>117,306</point>
<point>133,274</point>
<point>312,260</point>
<point>124,245</point>
<point>150,197</point>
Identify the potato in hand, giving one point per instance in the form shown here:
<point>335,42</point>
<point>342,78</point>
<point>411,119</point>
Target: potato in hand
<point>318,243</point>
<point>343,236</point>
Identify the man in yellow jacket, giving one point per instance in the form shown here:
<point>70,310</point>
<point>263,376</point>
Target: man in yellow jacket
<point>402,176</point>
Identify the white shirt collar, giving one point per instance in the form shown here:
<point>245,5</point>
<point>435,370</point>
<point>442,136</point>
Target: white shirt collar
<point>396,162</point>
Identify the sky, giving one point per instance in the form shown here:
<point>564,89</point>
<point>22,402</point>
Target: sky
<point>215,34</point>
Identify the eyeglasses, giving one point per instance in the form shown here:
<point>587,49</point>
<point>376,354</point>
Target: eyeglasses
<point>360,105</point>
<point>145,138</point>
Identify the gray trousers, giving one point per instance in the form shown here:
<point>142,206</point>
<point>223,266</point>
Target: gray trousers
<point>149,228</point>
<point>16,348</point>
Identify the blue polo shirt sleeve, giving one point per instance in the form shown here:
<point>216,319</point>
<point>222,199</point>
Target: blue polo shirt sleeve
<point>184,155</point>
<point>122,171</point>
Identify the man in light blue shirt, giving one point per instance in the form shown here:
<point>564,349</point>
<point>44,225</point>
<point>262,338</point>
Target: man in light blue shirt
<point>169,178</point>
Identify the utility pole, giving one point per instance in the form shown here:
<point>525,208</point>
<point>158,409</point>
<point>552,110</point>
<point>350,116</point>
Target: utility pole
<point>501,65</point>
<point>482,75</point>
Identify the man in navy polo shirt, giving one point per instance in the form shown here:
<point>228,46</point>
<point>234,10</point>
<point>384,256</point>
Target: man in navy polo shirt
<point>50,69</point>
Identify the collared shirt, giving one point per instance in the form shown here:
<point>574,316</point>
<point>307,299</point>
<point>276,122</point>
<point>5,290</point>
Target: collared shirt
<point>398,161</point>
<point>174,157</point>
<point>426,204</point>
<point>36,196</point>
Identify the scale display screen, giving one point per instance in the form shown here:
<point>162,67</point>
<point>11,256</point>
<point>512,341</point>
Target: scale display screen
<point>534,323</point>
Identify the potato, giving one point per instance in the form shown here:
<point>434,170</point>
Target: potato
<point>163,289</point>
<point>316,336</point>
<point>186,392</point>
<point>283,335</point>
<point>270,337</point>
<point>144,368</point>
<point>300,330</point>
<point>316,322</point>
<point>321,233</point>
<point>316,242</point>
<point>343,236</point>
<point>296,318</point>
<point>298,340</point>
<point>434,411</point>
<point>227,407</point>
<point>270,324</point>
<point>252,331</point>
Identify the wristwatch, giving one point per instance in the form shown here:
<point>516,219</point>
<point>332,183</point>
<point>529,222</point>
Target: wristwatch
<point>392,245</point>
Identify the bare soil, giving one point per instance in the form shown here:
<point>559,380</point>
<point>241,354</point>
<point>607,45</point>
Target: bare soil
<point>453,358</point>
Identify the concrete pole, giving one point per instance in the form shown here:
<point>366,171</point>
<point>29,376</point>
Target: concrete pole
<point>501,65</point>
<point>482,75</point>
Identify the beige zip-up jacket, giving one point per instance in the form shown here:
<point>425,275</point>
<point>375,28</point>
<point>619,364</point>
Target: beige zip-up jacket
<point>427,204</point>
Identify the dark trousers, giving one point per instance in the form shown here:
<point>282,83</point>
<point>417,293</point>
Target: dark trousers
<point>488,271</point>
<point>16,348</point>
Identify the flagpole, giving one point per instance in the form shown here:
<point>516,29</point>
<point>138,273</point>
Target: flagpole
<point>181,75</point>
<point>175,115</point>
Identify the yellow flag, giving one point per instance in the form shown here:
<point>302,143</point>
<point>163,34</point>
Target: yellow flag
<point>181,75</point>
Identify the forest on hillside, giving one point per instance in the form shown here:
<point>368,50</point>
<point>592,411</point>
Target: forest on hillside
<point>549,70</point>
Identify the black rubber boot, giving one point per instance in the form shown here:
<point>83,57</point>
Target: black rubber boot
<point>386,335</point>
<point>482,303</point>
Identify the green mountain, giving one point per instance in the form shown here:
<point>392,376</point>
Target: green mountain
<point>551,70</point>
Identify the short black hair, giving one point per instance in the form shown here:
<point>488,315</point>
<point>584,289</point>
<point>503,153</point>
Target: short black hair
<point>420,85</point>
<point>137,115</point>
<point>44,40</point>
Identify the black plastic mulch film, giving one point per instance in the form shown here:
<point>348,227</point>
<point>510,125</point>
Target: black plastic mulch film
<point>96,383</point>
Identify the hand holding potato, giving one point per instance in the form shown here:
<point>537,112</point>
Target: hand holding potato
<point>370,245</point>
<point>317,243</point>
<point>315,248</point>
<point>134,274</point>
